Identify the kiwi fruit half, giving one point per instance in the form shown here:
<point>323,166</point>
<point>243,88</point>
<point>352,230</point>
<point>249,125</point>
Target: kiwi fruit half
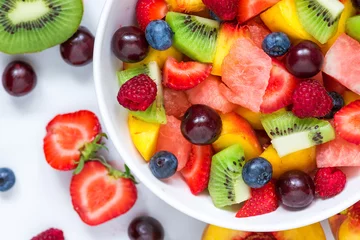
<point>290,133</point>
<point>34,25</point>
<point>226,185</point>
<point>320,18</point>
<point>156,112</point>
<point>194,36</point>
<point>352,27</point>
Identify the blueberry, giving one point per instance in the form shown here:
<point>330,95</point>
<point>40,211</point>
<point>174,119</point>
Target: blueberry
<point>7,179</point>
<point>257,172</point>
<point>214,16</point>
<point>163,164</point>
<point>276,44</point>
<point>159,35</point>
<point>338,103</point>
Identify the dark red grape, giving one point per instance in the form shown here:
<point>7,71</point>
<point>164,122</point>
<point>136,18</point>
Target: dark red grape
<point>201,125</point>
<point>129,44</point>
<point>304,60</point>
<point>295,189</point>
<point>145,228</point>
<point>78,50</point>
<point>19,78</point>
<point>356,4</point>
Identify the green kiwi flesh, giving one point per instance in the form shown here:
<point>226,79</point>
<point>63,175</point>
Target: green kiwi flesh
<point>194,36</point>
<point>226,185</point>
<point>352,27</point>
<point>156,112</point>
<point>290,134</point>
<point>320,18</point>
<point>28,26</point>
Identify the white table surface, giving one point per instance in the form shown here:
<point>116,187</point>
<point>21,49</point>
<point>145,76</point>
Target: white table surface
<point>40,198</point>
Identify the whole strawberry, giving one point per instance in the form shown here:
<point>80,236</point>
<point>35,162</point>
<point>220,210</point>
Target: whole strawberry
<point>310,99</point>
<point>50,234</point>
<point>225,9</point>
<point>329,182</point>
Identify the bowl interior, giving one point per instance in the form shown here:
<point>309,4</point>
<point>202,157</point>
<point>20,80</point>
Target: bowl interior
<point>174,191</point>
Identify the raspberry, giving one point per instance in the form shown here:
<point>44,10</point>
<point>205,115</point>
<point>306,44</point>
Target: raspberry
<point>138,93</point>
<point>329,182</point>
<point>50,234</point>
<point>310,99</point>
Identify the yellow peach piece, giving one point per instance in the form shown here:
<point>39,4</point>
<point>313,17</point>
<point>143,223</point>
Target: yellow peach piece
<point>350,96</point>
<point>252,117</point>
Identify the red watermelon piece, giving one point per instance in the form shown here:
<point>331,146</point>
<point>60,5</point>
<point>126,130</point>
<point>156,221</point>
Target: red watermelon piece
<point>342,62</point>
<point>332,85</point>
<point>251,8</point>
<point>258,31</point>
<point>208,93</point>
<point>175,102</point>
<point>246,72</point>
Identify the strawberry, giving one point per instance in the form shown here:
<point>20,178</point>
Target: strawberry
<point>263,200</point>
<point>100,193</point>
<point>280,89</point>
<point>329,182</point>
<point>251,8</point>
<point>197,169</point>
<point>184,75</point>
<point>347,122</point>
<point>224,9</point>
<point>149,10</point>
<point>50,234</point>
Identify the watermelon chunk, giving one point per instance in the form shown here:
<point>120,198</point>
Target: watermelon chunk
<point>246,72</point>
<point>342,62</point>
<point>250,8</point>
<point>175,102</point>
<point>258,31</point>
<point>208,93</point>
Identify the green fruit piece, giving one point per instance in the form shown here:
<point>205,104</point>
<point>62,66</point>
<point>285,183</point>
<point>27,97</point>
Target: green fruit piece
<point>352,27</point>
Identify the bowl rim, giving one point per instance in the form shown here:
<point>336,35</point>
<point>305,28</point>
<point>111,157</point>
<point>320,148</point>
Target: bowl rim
<point>177,204</point>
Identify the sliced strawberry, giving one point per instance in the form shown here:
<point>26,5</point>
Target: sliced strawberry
<point>280,89</point>
<point>347,122</point>
<point>332,85</point>
<point>224,9</point>
<point>184,75</point>
<point>100,193</point>
<point>149,10</point>
<point>197,170</point>
<point>69,139</point>
<point>263,200</point>
<point>251,8</point>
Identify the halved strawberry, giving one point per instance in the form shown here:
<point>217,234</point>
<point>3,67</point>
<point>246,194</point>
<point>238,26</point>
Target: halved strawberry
<point>224,9</point>
<point>71,138</point>
<point>184,75</point>
<point>251,8</point>
<point>263,200</point>
<point>347,122</point>
<point>280,89</point>
<point>197,170</point>
<point>149,10</point>
<point>100,193</point>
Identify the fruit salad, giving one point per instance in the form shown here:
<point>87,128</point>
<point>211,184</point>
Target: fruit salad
<point>254,101</point>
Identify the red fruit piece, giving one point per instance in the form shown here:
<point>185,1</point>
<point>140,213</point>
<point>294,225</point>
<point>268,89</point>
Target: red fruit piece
<point>224,9</point>
<point>175,102</point>
<point>258,31</point>
<point>310,99</point>
<point>251,8</point>
<point>138,93</point>
<point>282,85</point>
<point>347,122</point>
<point>149,10</point>
<point>263,200</point>
<point>99,194</point>
<point>70,138</point>
<point>197,170</point>
<point>329,182</point>
<point>331,85</point>
<point>50,234</point>
<point>184,75</point>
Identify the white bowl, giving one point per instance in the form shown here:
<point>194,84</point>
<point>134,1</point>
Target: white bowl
<point>118,13</point>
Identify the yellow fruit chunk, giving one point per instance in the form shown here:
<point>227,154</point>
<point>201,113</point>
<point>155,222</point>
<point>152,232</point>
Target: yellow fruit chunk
<point>252,117</point>
<point>185,5</point>
<point>350,96</point>
<point>310,232</point>
<point>158,56</point>
<point>350,230</point>
<point>304,160</point>
<point>235,129</point>
<point>144,136</point>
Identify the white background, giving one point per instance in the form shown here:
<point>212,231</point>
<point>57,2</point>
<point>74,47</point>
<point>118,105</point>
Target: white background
<point>40,198</point>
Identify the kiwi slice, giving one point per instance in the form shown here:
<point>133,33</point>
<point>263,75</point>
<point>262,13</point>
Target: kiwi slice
<point>352,27</point>
<point>34,25</point>
<point>194,36</point>
<point>226,185</point>
<point>290,133</point>
<point>320,18</point>
<point>156,112</point>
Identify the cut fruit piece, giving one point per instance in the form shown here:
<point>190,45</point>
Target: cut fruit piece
<point>194,36</point>
<point>208,93</point>
<point>176,102</point>
<point>350,97</point>
<point>186,6</point>
<point>331,85</point>
<point>251,8</point>
<point>246,72</point>
<point>290,133</point>
<point>149,10</point>
<point>225,10</point>
<point>353,27</point>
<point>184,75</point>
<point>252,117</point>
<point>258,31</point>
<point>33,26</point>
<point>347,122</point>
<point>320,18</point>
<point>144,135</point>
<point>226,186</point>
